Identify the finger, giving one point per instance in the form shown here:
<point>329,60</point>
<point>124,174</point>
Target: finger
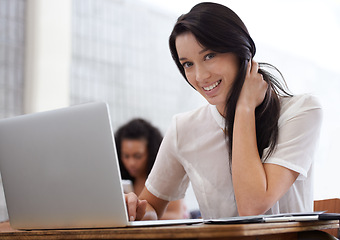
<point>249,66</point>
<point>254,67</point>
<point>141,208</point>
<point>131,202</point>
<point>261,76</point>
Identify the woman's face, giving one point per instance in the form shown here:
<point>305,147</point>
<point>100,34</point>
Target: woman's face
<point>210,73</point>
<point>134,156</point>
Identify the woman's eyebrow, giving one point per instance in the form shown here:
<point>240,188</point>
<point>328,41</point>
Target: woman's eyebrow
<point>200,52</point>
<point>203,50</point>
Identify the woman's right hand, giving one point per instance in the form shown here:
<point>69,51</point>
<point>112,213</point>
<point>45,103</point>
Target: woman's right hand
<point>254,88</point>
<point>136,208</point>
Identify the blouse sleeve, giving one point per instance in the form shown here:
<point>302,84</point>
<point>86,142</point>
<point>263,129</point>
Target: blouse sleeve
<point>299,130</point>
<point>168,179</point>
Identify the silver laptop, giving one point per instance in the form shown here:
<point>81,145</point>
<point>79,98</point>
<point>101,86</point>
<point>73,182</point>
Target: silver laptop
<point>60,170</point>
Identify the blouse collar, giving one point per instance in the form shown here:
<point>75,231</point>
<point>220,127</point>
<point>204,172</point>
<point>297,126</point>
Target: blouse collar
<point>220,120</point>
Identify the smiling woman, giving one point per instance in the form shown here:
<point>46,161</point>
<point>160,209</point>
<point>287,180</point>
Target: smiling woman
<point>205,70</point>
<point>305,48</point>
<point>253,141</point>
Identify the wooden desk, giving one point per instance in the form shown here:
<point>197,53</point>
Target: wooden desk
<point>287,230</point>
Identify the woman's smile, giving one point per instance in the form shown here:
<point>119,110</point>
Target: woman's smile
<point>210,73</point>
<point>212,86</point>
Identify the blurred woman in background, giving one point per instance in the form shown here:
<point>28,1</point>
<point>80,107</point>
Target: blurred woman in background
<point>137,145</point>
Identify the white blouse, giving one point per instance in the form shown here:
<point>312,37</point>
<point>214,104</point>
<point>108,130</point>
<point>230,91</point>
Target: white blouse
<point>195,149</point>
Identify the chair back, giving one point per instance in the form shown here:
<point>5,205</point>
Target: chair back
<point>331,206</point>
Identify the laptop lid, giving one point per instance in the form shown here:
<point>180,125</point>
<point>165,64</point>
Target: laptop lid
<point>60,169</point>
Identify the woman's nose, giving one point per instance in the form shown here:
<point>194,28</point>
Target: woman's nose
<point>132,162</point>
<point>202,73</point>
<point>129,162</point>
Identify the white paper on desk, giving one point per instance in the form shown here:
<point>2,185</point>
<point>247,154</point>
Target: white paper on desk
<point>284,217</point>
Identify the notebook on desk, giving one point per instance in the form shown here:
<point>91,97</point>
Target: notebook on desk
<point>60,170</point>
<point>284,217</point>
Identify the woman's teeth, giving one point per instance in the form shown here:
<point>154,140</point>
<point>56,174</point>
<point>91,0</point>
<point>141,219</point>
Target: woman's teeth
<point>212,86</point>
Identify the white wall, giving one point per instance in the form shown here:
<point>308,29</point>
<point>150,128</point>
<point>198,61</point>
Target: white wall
<point>48,46</point>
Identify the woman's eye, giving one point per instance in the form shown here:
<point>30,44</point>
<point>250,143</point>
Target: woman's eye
<point>187,64</point>
<point>210,56</point>
<point>138,156</point>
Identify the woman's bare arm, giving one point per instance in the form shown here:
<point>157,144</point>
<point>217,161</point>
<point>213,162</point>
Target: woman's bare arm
<point>175,210</point>
<point>257,186</point>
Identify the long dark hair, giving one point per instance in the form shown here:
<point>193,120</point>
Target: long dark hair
<point>138,129</point>
<point>218,28</point>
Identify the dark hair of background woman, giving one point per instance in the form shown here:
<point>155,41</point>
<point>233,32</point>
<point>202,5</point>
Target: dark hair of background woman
<point>218,28</point>
<point>138,129</point>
